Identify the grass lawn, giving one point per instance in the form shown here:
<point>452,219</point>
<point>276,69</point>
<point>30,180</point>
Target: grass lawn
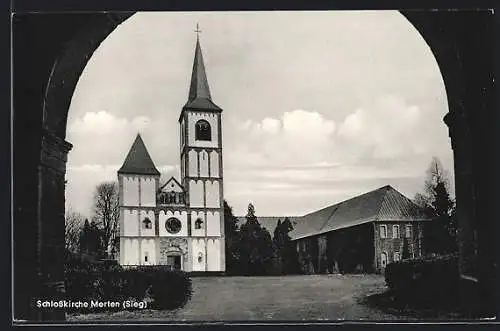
<point>288,298</point>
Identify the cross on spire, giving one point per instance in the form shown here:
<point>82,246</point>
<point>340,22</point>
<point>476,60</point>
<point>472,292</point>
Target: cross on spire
<point>197,30</point>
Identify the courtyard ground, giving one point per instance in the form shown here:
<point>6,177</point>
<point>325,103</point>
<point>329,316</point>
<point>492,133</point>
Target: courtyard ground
<point>288,298</point>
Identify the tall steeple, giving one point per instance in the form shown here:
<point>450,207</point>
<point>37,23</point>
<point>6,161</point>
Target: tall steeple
<point>199,91</point>
<point>199,83</point>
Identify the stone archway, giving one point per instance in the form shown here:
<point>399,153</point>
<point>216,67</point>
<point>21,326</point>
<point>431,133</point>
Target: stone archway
<point>43,91</point>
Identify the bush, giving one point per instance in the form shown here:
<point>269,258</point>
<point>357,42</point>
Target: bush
<point>425,282</point>
<point>174,295</point>
<point>166,289</point>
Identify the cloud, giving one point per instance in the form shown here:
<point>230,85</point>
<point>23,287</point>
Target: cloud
<point>104,123</point>
<point>310,124</point>
<point>305,153</point>
<point>298,137</point>
<point>104,138</point>
<point>389,128</point>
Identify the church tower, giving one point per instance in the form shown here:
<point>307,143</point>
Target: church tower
<point>201,171</point>
<point>138,181</point>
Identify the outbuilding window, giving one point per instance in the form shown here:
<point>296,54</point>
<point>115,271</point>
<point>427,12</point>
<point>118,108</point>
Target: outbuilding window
<point>383,231</point>
<point>408,231</point>
<point>395,231</point>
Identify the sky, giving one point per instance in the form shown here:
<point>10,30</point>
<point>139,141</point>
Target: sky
<point>318,107</point>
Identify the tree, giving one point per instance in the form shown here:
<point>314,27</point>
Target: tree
<point>285,248</point>
<point>90,241</point>
<point>439,235</point>
<point>73,226</point>
<point>231,234</point>
<point>255,246</point>
<point>106,214</point>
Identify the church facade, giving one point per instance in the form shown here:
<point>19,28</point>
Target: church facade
<point>177,223</point>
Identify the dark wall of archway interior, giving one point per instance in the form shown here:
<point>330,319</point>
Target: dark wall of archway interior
<point>51,51</point>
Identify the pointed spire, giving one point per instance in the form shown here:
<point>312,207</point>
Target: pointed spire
<point>199,91</point>
<point>138,160</point>
<point>199,82</point>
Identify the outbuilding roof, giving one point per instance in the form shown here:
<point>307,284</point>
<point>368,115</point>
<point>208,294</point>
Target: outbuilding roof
<point>383,204</point>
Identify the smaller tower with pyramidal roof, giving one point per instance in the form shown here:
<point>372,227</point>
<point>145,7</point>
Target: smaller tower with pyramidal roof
<point>138,181</point>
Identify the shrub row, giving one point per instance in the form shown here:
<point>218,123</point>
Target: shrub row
<point>424,282</point>
<point>161,287</point>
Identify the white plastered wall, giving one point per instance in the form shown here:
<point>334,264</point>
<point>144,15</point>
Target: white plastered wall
<point>203,155</point>
<point>196,193</point>
<point>198,249</point>
<point>213,223</point>
<point>214,254</point>
<point>214,164</point>
<point>130,222</point>
<point>213,193</point>
<point>130,191</point>
<point>148,191</point>
<point>148,246</point>
<point>131,252</point>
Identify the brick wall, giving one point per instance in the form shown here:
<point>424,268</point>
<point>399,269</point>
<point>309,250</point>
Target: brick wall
<point>332,252</point>
<point>390,245</point>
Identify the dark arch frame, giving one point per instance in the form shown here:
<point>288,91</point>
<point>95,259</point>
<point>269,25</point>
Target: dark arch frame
<point>43,91</point>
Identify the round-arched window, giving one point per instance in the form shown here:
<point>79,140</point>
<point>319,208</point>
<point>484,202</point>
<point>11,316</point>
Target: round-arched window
<point>146,223</point>
<point>173,225</point>
<point>198,223</point>
<point>203,131</point>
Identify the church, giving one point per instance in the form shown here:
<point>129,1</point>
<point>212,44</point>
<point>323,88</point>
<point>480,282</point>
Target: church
<point>177,223</point>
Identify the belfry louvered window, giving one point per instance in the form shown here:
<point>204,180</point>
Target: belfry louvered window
<point>203,131</point>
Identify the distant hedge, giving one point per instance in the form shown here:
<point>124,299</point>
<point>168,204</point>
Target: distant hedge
<point>424,282</point>
<point>162,288</point>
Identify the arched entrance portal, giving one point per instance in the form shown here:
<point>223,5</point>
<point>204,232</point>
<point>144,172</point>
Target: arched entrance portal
<point>43,91</point>
<point>173,260</point>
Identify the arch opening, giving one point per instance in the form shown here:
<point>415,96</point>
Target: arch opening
<point>57,99</point>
